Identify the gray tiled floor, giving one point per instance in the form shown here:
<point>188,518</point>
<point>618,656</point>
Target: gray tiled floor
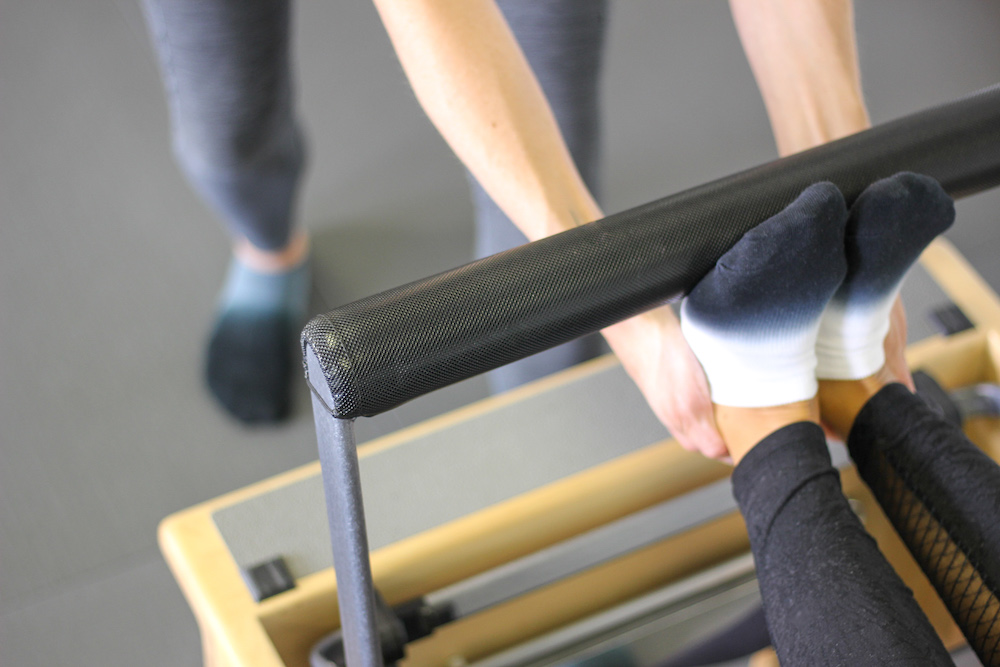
<point>109,265</point>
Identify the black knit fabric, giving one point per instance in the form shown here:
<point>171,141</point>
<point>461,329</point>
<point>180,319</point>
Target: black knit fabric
<point>829,595</point>
<point>249,364</point>
<point>943,496</point>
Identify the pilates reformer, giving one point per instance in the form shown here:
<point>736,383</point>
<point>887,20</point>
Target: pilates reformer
<point>375,354</point>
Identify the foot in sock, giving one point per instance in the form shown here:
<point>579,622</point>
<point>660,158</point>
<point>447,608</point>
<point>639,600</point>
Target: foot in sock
<point>752,321</point>
<point>890,224</point>
<point>250,366</point>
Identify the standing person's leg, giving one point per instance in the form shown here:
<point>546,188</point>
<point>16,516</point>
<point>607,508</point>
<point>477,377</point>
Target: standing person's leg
<point>829,595</point>
<point>227,74</point>
<point>563,41</point>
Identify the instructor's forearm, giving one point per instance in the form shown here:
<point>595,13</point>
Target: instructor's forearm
<point>475,84</point>
<point>804,56</point>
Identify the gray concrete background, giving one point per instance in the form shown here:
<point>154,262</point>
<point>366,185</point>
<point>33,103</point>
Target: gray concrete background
<point>109,265</point>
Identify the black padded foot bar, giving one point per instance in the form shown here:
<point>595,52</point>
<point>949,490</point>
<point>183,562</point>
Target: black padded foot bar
<point>386,349</point>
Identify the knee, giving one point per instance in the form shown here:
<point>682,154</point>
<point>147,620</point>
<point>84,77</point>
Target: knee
<point>239,148</point>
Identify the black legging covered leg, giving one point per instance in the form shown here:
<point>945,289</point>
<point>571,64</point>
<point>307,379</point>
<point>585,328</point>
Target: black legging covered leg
<point>943,496</point>
<point>227,72</point>
<point>829,595</point>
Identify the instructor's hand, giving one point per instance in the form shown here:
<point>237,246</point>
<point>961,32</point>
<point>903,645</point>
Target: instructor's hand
<point>653,351</point>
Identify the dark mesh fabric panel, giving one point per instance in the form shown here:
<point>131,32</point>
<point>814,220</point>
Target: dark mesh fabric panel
<point>972,602</point>
<point>389,348</point>
<point>942,494</point>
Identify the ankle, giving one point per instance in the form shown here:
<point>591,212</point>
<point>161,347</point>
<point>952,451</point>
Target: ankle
<point>840,401</point>
<point>280,260</point>
<point>743,428</point>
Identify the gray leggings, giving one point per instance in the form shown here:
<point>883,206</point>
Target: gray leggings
<point>227,73</point>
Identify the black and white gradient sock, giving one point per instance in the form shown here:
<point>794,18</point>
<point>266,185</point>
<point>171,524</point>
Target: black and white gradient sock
<point>250,360</point>
<point>890,224</point>
<point>752,321</point>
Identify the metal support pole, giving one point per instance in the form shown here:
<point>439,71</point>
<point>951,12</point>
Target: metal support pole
<point>338,458</point>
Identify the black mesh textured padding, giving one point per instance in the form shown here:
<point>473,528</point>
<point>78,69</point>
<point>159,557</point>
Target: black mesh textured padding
<point>386,349</point>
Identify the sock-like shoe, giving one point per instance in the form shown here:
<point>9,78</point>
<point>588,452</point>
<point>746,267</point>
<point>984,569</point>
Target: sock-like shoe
<point>752,321</point>
<point>250,361</point>
<point>890,224</point>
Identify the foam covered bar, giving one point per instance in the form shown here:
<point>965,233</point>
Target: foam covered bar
<point>386,349</point>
